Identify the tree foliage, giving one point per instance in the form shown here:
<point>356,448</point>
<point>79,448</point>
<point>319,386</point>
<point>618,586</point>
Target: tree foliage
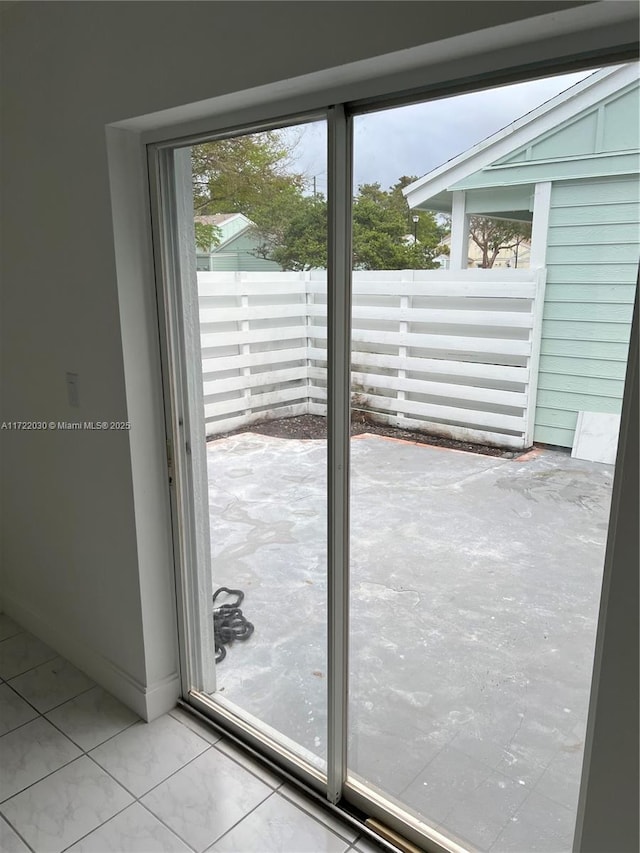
<point>253,175</point>
<point>494,235</point>
<point>384,234</point>
<point>302,242</point>
<point>207,235</point>
<point>245,174</point>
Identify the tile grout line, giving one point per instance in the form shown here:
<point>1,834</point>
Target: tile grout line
<point>135,796</point>
<point>138,799</point>
<point>24,841</point>
<point>240,764</point>
<point>210,746</point>
<point>317,819</point>
<point>117,814</point>
<point>41,713</point>
<point>239,821</point>
<point>103,823</point>
<point>86,754</point>
<point>87,751</point>
<point>55,707</point>
<point>291,803</point>
<point>41,779</point>
<point>35,666</point>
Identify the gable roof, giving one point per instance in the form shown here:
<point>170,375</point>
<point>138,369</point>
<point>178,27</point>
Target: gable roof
<point>549,115</point>
<point>215,218</point>
<point>230,225</point>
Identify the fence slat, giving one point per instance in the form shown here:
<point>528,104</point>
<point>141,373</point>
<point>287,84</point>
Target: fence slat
<point>439,389</point>
<point>437,288</point>
<point>452,317</point>
<point>271,398</point>
<point>475,416</point>
<point>253,336</point>
<point>253,359</point>
<point>452,343</point>
<point>439,366</point>
<point>255,312</point>
<point>253,380</point>
<point>227,424</point>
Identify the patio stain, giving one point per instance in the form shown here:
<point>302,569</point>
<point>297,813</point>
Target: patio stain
<point>576,487</point>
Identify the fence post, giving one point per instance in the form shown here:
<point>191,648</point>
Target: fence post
<point>535,336</point>
<point>405,304</point>
<point>308,299</point>
<point>245,349</point>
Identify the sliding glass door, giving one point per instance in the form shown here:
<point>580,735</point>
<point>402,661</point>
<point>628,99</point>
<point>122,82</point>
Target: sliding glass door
<point>395,346</point>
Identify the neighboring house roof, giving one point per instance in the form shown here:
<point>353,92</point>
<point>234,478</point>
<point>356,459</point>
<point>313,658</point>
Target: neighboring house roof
<point>230,225</point>
<point>499,150</point>
<point>216,218</point>
<point>237,246</point>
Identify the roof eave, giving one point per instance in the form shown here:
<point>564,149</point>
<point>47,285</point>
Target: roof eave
<point>553,112</point>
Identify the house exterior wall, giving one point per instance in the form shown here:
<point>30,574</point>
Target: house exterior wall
<point>593,245</point>
<point>592,266</point>
<point>236,255</point>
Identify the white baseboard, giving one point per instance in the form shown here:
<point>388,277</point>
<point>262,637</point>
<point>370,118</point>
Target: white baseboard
<point>147,700</point>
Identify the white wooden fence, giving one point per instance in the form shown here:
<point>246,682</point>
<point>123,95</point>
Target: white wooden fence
<point>453,353</point>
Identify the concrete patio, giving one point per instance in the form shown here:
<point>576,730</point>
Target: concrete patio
<point>475,587</point>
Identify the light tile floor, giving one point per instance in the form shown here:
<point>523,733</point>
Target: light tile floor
<point>82,773</point>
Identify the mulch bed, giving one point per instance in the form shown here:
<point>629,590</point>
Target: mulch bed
<point>315,427</point>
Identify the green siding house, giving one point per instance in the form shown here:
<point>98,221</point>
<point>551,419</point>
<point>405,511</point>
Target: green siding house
<point>571,168</point>
<point>236,249</point>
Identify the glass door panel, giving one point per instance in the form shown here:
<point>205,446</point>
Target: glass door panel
<point>260,229</point>
<point>477,536</point>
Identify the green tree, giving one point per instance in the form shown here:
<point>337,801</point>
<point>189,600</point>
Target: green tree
<point>253,175</point>
<point>427,230</point>
<point>302,242</point>
<point>494,235</point>
<point>206,236</point>
<point>384,235</point>
<point>246,174</point>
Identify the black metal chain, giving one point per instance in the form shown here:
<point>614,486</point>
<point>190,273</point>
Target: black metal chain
<point>229,624</point>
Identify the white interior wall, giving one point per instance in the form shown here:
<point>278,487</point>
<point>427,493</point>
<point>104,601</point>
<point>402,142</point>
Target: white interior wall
<point>73,533</point>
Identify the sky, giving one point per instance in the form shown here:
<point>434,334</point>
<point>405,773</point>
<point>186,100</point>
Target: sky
<point>413,140</point>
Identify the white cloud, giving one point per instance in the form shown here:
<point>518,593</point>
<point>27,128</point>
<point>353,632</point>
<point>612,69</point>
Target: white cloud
<point>414,139</point>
